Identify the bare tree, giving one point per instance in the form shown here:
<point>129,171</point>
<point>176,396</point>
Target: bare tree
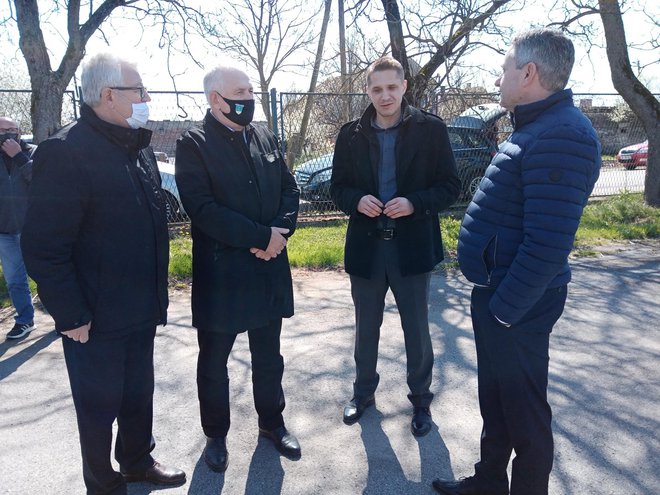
<point>48,84</point>
<point>639,98</point>
<point>267,35</point>
<point>437,34</point>
<point>14,92</point>
<point>579,18</point>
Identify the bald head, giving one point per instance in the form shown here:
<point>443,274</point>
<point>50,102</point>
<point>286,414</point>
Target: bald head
<point>8,125</point>
<point>224,79</point>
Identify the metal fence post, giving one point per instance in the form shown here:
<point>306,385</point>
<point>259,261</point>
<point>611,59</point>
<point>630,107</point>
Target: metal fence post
<point>273,112</point>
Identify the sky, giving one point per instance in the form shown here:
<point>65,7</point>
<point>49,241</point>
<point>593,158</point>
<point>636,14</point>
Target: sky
<point>591,73</point>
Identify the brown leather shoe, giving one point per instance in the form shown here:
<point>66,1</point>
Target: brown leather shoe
<point>158,475</point>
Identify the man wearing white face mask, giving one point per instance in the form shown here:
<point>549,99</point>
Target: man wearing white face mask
<point>95,240</point>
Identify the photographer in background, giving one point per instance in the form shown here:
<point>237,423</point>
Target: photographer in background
<point>15,177</point>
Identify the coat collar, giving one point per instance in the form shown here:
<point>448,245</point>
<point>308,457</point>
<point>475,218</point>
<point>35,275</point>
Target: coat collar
<point>130,140</point>
<point>213,123</point>
<point>524,114</point>
<point>408,112</point>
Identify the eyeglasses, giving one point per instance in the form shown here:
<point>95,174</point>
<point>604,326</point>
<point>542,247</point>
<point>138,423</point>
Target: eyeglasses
<point>143,91</point>
<point>11,130</point>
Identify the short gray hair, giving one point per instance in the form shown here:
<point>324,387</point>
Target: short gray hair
<point>215,80</point>
<point>551,51</point>
<point>103,70</point>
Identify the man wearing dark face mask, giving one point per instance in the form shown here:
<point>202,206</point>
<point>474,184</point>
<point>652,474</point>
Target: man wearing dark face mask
<point>243,205</point>
<point>96,243</point>
<point>15,177</point>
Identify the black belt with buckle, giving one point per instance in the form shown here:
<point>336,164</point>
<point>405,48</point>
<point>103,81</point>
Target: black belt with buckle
<point>384,234</point>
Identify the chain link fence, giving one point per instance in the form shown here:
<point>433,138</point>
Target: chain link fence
<point>307,126</point>
<point>476,126</point>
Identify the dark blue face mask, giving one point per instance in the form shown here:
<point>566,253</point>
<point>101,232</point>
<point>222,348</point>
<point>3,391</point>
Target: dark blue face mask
<point>8,135</point>
<point>241,112</point>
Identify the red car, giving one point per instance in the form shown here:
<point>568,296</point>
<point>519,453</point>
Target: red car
<point>634,156</point>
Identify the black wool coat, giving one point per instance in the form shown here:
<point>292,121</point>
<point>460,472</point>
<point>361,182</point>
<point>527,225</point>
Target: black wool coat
<point>234,193</point>
<point>95,236</point>
<point>425,175</point>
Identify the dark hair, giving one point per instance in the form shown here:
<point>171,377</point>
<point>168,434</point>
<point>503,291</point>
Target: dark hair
<point>551,51</point>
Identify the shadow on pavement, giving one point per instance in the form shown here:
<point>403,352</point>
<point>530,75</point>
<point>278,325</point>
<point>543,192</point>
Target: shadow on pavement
<point>12,363</point>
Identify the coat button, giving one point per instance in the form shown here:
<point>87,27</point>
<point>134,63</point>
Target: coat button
<point>428,212</point>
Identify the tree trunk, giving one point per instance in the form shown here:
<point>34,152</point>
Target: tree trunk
<point>393,18</point>
<point>297,146</point>
<point>46,107</point>
<point>637,96</point>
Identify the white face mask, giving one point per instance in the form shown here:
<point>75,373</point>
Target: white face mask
<point>140,115</point>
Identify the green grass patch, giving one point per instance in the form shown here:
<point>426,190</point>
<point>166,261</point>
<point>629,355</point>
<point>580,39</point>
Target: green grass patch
<point>621,217</point>
<point>321,245</point>
<point>180,268</point>
<point>317,246</point>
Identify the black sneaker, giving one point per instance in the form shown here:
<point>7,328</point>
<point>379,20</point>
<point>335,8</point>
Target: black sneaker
<point>20,330</point>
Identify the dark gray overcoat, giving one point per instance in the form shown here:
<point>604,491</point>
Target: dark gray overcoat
<point>234,192</point>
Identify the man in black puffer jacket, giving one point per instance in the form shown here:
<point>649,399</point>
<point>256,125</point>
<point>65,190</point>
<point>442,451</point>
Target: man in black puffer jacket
<point>513,246</point>
<point>96,242</point>
<point>15,176</point>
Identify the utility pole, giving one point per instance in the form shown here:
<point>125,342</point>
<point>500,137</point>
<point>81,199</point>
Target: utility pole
<point>342,43</point>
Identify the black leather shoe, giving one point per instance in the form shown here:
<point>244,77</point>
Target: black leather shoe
<point>284,441</point>
<point>464,486</point>
<point>354,409</point>
<point>421,421</point>
<point>158,475</point>
<point>216,455</point>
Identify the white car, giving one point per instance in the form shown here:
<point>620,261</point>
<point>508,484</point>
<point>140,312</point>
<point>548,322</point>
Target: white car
<point>175,211</point>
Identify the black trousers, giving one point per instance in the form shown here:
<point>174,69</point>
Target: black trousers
<point>213,379</point>
<point>411,294</point>
<point>513,382</point>
<point>113,379</point>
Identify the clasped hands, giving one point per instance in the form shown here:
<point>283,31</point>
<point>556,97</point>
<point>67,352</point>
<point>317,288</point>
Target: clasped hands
<point>372,207</point>
<point>275,246</point>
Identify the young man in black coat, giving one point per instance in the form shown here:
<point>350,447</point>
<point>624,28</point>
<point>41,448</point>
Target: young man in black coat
<point>243,205</point>
<point>95,240</point>
<point>393,172</point>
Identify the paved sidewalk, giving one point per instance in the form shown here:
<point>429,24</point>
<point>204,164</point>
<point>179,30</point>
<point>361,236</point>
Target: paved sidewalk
<point>604,389</point>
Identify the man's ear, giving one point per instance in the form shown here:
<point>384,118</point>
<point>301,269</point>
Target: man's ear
<point>530,73</point>
<point>107,96</point>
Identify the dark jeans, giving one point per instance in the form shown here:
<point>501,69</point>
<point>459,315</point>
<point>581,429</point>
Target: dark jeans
<point>213,379</point>
<point>411,294</point>
<point>513,381</point>
<point>113,379</point>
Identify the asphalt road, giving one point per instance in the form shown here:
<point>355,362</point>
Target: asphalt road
<point>604,389</point>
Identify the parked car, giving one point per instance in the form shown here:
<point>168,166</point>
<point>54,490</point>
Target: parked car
<point>473,139</point>
<point>634,156</point>
<point>313,179</point>
<point>175,211</point>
